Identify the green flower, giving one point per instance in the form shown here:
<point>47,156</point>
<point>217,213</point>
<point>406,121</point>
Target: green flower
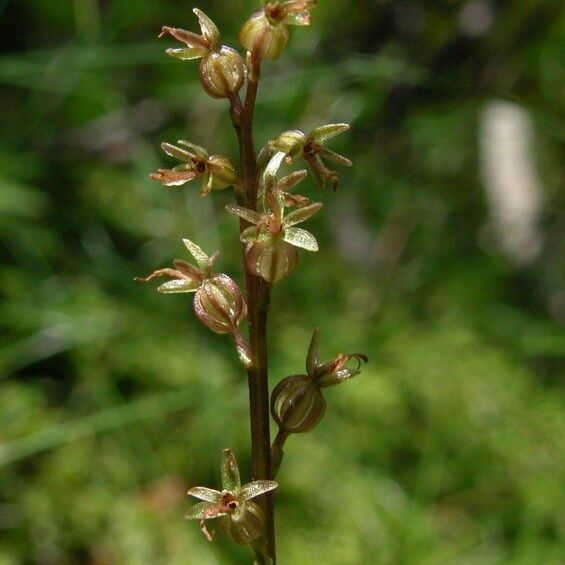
<point>239,517</point>
<point>217,172</point>
<point>273,239</point>
<point>310,147</point>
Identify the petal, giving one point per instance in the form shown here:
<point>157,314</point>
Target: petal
<point>196,149</point>
<point>204,493</point>
<point>209,30</point>
<point>337,377</point>
<point>207,183</point>
<point>187,269</point>
<point>301,238</point>
<point>272,167</point>
<point>301,215</point>
<point>172,273</point>
<point>171,177</point>
<point>177,152</point>
<point>179,286</point>
<point>313,357</point>
<point>314,170</point>
<point>290,181</point>
<point>186,53</point>
<point>203,511</point>
<point>249,235</point>
<point>230,471</point>
<point>186,37</point>
<point>334,157</point>
<point>248,215</point>
<point>299,19</point>
<point>196,251</point>
<point>326,132</point>
<point>256,488</point>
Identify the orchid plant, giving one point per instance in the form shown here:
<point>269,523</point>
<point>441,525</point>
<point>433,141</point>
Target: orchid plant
<point>269,212</point>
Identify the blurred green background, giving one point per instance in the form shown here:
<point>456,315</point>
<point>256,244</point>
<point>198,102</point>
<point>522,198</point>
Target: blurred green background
<point>441,258</point>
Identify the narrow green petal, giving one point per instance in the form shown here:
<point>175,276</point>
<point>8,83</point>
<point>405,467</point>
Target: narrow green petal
<point>248,215</point>
<point>196,149</point>
<point>319,179</point>
<point>177,152</point>
<point>179,286</point>
<point>208,27</point>
<point>230,471</point>
<point>256,488</point>
<point>337,377</point>
<point>186,53</point>
<point>249,235</point>
<point>326,132</point>
<point>204,493</point>
<point>196,251</point>
<point>301,214</point>
<point>335,157</point>
<point>313,357</point>
<point>273,166</point>
<point>300,238</point>
<point>199,510</point>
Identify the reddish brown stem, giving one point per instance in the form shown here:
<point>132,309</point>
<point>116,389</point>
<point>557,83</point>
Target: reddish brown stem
<point>258,297</point>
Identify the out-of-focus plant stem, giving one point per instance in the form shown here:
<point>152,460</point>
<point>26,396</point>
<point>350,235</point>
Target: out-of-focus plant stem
<point>258,298</point>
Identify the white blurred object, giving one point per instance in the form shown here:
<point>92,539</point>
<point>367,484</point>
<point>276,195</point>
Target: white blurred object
<point>511,181</point>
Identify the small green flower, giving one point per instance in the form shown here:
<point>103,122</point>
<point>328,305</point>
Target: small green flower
<point>222,70</point>
<point>265,34</point>
<point>217,172</point>
<point>297,402</point>
<point>218,302</point>
<point>239,517</point>
<point>311,147</point>
<point>272,240</point>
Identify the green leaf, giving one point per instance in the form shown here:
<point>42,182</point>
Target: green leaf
<point>201,258</point>
<point>186,53</point>
<point>301,215</point>
<point>209,30</point>
<point>301,238</point>
<point>256,488</point>
<point>230,471</point>
<point>248,215</point>
<point>328,131</point>
<point>313,357</point>
<point>178,286</point>
<point>204,493</point>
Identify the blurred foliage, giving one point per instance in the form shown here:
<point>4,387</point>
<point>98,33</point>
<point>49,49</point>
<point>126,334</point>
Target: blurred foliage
<point>450,446</point>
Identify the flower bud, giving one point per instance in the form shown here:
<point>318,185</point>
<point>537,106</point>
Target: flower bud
<point>219,305</point>
<point>246,526</point>
<point>297,404</point>
<point>272,259</point>
<point>263,38</point>
<point>222,72</point>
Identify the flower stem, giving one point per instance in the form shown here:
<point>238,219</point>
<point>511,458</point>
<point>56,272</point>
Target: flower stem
<point>258,298</point>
